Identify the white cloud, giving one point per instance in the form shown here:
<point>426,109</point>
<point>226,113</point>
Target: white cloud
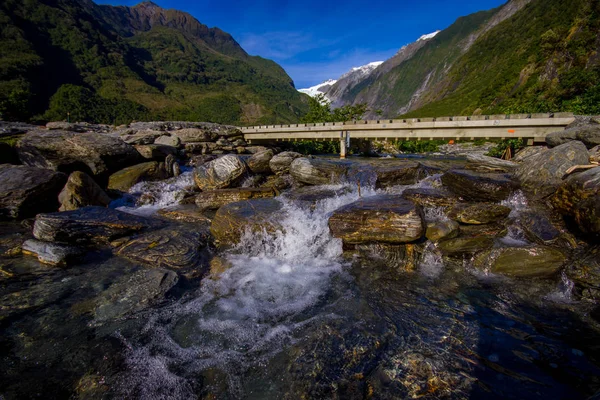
<point>282,45</point>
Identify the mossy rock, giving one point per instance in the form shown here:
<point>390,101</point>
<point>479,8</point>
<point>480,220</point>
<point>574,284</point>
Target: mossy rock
<point>478,214</point>
<point>521,262</point>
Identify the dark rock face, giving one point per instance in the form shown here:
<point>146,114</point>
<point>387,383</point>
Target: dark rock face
<point>51,253</point>
<point>538,228</point>
<point>185,213</point>
<point>430,197</point>
<point>475,186</point>
<point>124,179</point>
<point>221,173</point>
<point>232,220</point>
<point>89,225</point>
<point>312,171</point>
<point>588,134</point>
<point>259,162</point>
<point>280,163</point>
<point>522,262</point>
<point>216,198</point>
<point>27,191</point>
<point>441,230</point>
<point>542,173</point>
<point>156,152</point>
<point>478,214</point>
<point>384,218</point>
<point>578,197</point>
<point>8,155</point>
<point>527,152</point>
<point>585,273</point>
<point>133,292</point>
<point>97,155</point>
<point>171,248</point>
<point>81,191</point>
<point>462,246</point>
<point>398,175</point>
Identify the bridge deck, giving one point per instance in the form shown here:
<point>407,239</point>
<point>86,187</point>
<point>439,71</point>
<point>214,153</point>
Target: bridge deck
<point>534,127</point>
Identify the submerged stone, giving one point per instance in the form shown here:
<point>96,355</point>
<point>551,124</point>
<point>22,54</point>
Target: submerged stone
<point>214,199</point>
<point>479,213</point>
<point>477,186</point>
<point>27,191</point>
<point>521,262</point>
<point>89,225</point>
<point>382,218</point>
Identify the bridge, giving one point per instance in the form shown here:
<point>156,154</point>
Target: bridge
<point>533,128</point>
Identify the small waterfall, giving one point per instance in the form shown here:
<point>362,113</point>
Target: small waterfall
<point>563,292</point>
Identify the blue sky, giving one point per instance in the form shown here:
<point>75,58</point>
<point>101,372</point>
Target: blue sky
<point>318,40</point>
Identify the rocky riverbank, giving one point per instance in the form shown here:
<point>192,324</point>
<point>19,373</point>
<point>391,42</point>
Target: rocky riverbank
<point>68,242</point>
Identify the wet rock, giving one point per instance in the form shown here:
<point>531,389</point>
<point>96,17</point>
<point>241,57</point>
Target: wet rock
<point>312,194</point>
<point>589,134</point>
<point>280,163</point>
<point>383,218</point>
<point>527,152</point>
<point>403,257</point>
<point>133,293</point>
<point>476,186</point>
<point>441,230</point>
<point>407,174</point>
<point>259,162</point>
<point>542,173</point>
<point>149,171</point>
<point>27,191</point>
<point>496,164</point>
<point>193,135</point>
<point>89,225</point>
<point>578,197</point>
<point>538,228</point>
<point>199,160</point>
<point>313,171</point>
<point>232,220</point>
<point>97,155</point>
<point>185,213</point>
<point>170,141</point>
<point>51,253</point>
<point>462,246</point>
<point>171,248</point>
<point>279,182</point>
<point>521,262</point>
<point>585,274</point>
<point>221,173</point>
<point>218,265</point>
<point>156,152</point>
<point>202,148</point>
<point>430,197</point>
<point>478,214</point>
<point>214,199</point>
<point>595,154</point>
<point>81,191</point>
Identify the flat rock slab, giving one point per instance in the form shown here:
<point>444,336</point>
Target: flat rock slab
<point>542,173</point>
<point>233,220</point>
<point>462,246</point>
<point>185,213</point>
<point>384,218</point>
<point>221,173</point>
<point>522,262</point>
<point>26,191</point>
<point>96,154</point>
<point>171,248</point>
<point>430,197</point>
<point>51,253</point>
<point>214,199</point>
<point>314,171</point>
<point>479,213</point>
<point>476,186</point>
<point>89,225</point>
<point>407,174</point>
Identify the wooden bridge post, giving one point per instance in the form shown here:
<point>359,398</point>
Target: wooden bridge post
<point>342,145</point>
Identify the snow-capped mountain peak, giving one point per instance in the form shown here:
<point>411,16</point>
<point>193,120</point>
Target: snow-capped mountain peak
<point>368,67</point>
<point>320,88</point>
<point>428,36</point>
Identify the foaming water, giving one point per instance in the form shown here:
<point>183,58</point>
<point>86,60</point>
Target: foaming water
<point>517,202</point>
<point>146,198</point>
<point>563,292</point>
<point>432,263</point>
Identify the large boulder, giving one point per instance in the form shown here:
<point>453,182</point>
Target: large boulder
<point>234,219</point>
<point>579,197</point>
<point>383,219</point>
<point>97,155</point>
<point>156,152</point>
<point>527,152</point>
<point>589,134</point>
<point>522,262</point>
<point>81,191</point>
<point>89,225</point>
<point>149,171</point>
<point>171,248</point>
<point>259,162</point>
<point>478,213</point>
<point>185,213</point>
<point>462,246</point>
<point>585,273</point>
<point>221,173</point>
<point>476,186</point>
<point>214,199</point>
<point>542,173</point>
<point>193,135</point>
<point>313,171</point>
<point>280,163</point>
<point>405,174</point>
<point>430,197</point>
<point>27,191</point>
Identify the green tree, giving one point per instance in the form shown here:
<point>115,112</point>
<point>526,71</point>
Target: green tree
<point>320,111</point>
